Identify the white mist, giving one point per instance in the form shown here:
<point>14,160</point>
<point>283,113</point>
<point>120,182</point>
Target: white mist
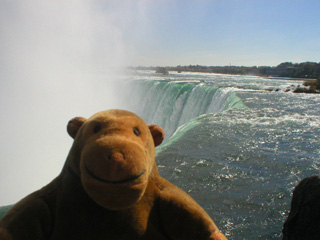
<point>56,62</point>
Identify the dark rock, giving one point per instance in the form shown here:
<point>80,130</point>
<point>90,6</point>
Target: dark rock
<point>305,90</point>
<point>303,221</point>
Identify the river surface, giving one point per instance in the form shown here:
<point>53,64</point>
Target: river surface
<point>237,144</point>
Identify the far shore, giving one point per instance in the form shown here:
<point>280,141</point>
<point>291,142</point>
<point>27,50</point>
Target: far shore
<point>286,70</point>
<point>250,75</point>
<point>310,85</point>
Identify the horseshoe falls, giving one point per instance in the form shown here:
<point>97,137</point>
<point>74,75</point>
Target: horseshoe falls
<point>170,104</point>
<point>237,144</point>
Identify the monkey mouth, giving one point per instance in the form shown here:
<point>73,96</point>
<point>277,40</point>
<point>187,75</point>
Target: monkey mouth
<point>131,179</point>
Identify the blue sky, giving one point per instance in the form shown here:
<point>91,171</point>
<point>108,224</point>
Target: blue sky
<point>237,32</point>
<point>55,58</point>
<point>173,32</point>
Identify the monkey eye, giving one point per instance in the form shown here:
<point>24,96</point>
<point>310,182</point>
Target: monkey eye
<point>97,128</point>
<point>136,131</point>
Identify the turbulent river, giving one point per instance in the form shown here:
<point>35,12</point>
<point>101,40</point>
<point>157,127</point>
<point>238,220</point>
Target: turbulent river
<point>237,144</point>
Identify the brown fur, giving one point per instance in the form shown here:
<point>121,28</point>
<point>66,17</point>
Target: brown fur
<point>109,188</point>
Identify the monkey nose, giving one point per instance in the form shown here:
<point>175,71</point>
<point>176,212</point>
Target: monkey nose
<point>116,156</point>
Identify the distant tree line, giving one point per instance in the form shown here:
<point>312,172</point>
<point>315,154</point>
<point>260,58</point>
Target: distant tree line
<point>162,70</point>
<point>286,69</point>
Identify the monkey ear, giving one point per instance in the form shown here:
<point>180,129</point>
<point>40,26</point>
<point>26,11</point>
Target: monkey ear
<point>157,134</point>
<point>74,124</point>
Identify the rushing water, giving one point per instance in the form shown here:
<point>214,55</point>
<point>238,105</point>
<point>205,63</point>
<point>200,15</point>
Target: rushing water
<point>234,143</point>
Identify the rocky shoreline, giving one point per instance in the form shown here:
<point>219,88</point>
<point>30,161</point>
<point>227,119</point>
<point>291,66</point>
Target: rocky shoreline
<point>309,86</point>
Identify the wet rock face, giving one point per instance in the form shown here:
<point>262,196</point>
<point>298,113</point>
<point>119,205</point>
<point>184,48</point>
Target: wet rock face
<point>303,221</point>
